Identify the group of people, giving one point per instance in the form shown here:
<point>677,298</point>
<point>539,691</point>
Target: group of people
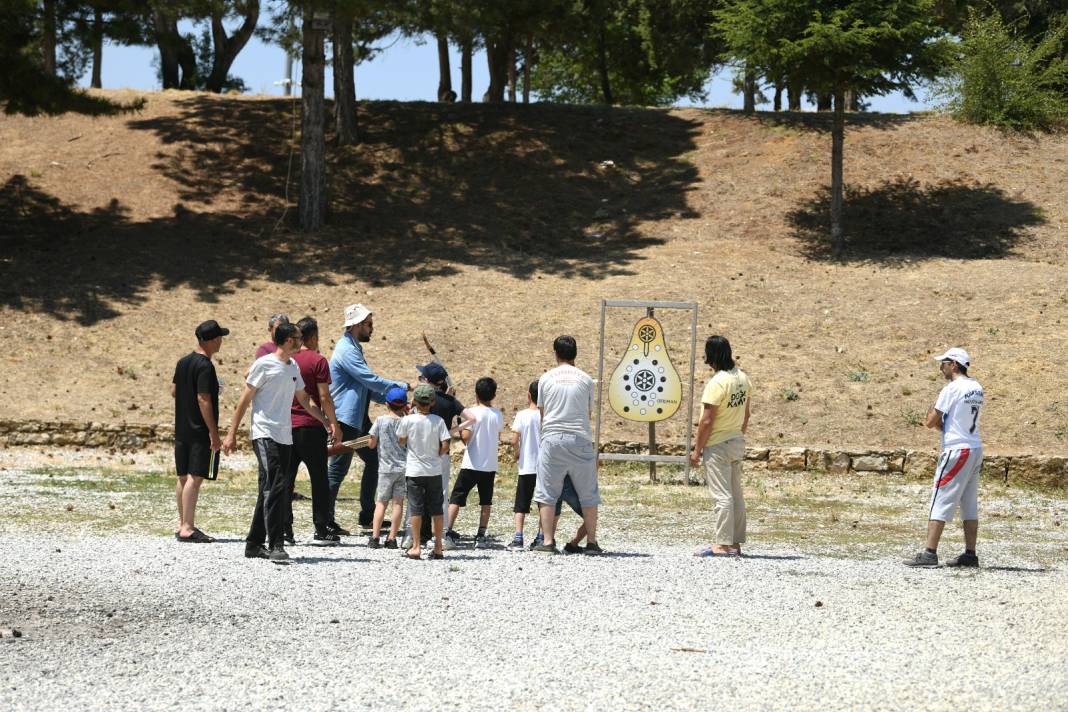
<point>307,409</point>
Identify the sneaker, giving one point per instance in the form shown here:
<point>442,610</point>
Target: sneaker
<point>277,554</point>
<point>448,545</point>
<point>570,548</point>
<point>290,539</point>
<point>546,549</point>
<point>390,544</point>
<point>325,539</point>
<point>964,560</point>
<point>924,558</point>
<point>372,542</point>
<point>454,536</point>
<point>406,543</point>
<point>337,529</point>
<point>538,541</point>
<point>592,549</point>
<point>256,551</point>
<point>481,541</point>
<point>516,545</point>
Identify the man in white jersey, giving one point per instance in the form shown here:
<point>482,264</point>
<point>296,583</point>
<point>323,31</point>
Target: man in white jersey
<point>565,398</point>
<point>956,480</point>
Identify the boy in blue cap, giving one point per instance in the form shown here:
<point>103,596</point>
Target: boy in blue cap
<point>391,457</point>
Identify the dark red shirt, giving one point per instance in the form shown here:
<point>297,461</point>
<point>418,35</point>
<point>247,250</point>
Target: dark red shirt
<point>315,369</point>
<point>267,347</point>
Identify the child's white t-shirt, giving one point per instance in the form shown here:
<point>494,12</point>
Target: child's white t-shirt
<point>425,434</point>
<point>961,401</point>
<point>528,424</point>
<point>481,453</point>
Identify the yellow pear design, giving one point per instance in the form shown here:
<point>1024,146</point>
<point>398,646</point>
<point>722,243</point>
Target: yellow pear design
<point>645,385</point>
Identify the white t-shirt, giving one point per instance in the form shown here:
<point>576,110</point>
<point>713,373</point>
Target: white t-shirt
<point>528,424</point>
<point>481,453</point>
<point>275,383</point>
<point>391,457</point>
<point>961,401</point>
<point>425,434</point>
<point>565,396</point>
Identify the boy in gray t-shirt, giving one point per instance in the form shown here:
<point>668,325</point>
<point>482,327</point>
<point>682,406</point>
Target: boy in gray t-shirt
<point>391,459</point>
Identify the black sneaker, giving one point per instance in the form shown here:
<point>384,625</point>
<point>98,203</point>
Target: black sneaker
<point>546,549</point>
<point>964,560</point>
<point>277,554</point>
<point>336,529</point>
<point>372,543</point>
<point>570,548</point>
<point>290,539</point>
<point>390,544</point>
<point>256,551</point>
<point>455,536</point>
<point>923,559</point>
<point>592,549</point>
<point>325,539</point>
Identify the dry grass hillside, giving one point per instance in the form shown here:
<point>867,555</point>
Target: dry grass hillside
<point>493,229</point>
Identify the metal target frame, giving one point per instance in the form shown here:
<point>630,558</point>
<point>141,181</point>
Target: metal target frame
<point>652,458</point>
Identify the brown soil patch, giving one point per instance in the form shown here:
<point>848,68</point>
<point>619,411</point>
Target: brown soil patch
<point>493,229</point>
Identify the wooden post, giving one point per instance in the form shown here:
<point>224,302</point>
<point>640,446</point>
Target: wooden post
<point>652,429</point>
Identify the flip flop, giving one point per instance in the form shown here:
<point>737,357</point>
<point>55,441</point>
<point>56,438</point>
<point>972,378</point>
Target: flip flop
<point>409,555</point>
<point>197,537</point>
<point>708,553</point>
<point>436,555</point>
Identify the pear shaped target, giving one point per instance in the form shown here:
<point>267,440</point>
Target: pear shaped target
<point>645,386</point>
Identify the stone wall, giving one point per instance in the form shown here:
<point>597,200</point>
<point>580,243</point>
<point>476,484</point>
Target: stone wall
<point>1049,471</point>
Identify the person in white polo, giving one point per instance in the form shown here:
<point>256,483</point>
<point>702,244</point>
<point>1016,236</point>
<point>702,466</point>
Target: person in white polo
<point>956,481</point>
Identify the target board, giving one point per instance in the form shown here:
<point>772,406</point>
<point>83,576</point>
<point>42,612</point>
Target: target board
<point>645,386</point>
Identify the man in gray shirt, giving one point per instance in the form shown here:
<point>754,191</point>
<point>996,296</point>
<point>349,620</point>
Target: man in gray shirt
<point>565,399</point>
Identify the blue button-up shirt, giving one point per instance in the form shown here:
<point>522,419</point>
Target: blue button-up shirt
<point>353,384</point>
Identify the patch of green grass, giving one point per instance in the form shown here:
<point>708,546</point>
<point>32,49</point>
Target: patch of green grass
<point>789,394</point>
<point>859,376</point>
<point>912,418</point>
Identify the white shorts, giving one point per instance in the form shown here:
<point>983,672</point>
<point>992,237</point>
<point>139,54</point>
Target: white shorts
<point>956,482</point>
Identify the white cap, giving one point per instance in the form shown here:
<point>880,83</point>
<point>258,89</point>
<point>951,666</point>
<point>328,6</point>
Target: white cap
<point>355,313</point>
<point>955,354</point>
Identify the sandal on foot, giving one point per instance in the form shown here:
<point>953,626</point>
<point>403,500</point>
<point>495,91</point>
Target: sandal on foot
<point>197,537</point>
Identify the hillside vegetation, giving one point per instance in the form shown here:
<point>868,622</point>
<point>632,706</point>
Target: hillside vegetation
<point>495,228</point>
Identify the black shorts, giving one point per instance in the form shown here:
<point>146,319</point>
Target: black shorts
<point>524,493</point>
<point>425,498</point>
<point>466,481</point>
<point>192,458</point>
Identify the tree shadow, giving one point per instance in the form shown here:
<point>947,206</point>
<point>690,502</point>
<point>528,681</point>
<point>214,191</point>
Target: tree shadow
<point>431,189</point>
<point>902,221</point>
<point>822,121</point>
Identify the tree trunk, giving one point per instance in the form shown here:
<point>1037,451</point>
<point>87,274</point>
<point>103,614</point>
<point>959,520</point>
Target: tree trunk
<point>98,49</point>
<point>344,82</point>
<point>465,70</point>
<point>498,49</point>
<point>528,58</point>
<point>837,147</point>
<point>793,95</point>
<point>824,102</point>
<point>188,62</point>
<point>777,103</point>
<point>225,49</point>
<point>602,64</point>
<point>749,91</point>
<point>444,70</point>
<point>853,102</point>
<point>165,29</point>
<point>511,75</point>
<point>312,207</point>
<point>48,37</point>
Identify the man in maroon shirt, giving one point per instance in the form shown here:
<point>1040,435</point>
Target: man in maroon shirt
<point>268,346</point>
<point>309,437</point>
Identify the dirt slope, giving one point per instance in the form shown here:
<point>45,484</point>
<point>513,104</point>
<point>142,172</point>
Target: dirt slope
<point>493,229</point>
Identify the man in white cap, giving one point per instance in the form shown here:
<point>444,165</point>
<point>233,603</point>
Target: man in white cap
<point>353,386</point>
<point>956,480</point>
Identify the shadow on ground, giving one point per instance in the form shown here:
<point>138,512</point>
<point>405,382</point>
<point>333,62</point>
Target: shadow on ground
<point>431,188</point>
<point>902,221</point>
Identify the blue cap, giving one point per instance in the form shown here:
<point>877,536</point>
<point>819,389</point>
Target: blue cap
<point>397,395</point>
<point>433,372</point>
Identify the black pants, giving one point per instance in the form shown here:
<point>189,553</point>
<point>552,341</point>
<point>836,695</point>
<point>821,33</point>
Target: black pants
<point>309,447</point>
<point>272,504</point>
<point>339,468</point>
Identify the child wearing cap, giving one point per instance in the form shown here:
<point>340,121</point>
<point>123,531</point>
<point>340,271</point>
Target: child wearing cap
<point>526,439</point>
<point>426,439</point>
<point>481,432</point>
<point>391,464</point>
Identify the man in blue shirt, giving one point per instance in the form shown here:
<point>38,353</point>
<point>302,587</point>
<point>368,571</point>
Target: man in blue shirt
<point>353,387</point>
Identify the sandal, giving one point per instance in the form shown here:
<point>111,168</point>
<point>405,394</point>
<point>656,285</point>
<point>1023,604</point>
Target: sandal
<point>410,555</point>
<point>436,555</point>
<point>708,552</point>
<point>197,537</point>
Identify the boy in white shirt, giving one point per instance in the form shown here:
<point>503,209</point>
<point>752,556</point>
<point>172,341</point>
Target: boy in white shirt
<point>481,432</point>
<point>526,439</point>
<point>426,439</point>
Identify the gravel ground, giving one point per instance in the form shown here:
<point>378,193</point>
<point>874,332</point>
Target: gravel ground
<point>146,623</point>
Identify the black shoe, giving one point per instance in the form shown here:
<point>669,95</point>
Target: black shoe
<point>336,529</point>
<point>277,554</point>
<point>964,560</point>
<point>455,536</point>
<point>255,551</point>
<point>390,544</point>
<point>546,549</point>
<point>325,539</point>
<point>570,548</point>
<point>373,543</point>
<point>592,549</point>
<point>290,539</point>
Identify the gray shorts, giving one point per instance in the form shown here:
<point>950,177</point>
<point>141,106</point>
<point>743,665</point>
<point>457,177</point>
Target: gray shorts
<point>390,486</point>
<point>563,454</point>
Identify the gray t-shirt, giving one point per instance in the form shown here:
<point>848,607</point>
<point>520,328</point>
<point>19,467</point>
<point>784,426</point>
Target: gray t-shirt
<point>425,434</point>
<point>565,396</point>
<point>391,455</point>
<point>275,383</point>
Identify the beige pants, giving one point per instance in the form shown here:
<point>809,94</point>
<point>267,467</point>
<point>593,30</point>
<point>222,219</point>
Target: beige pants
<point>723,473</point>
